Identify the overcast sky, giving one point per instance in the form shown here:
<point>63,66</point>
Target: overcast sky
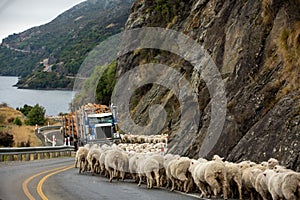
<point>19,15</point>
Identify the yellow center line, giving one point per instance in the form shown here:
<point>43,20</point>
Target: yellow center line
<point>40,185</point>
<point>25,183</point>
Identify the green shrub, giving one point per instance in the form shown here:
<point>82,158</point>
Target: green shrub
<point>36,116</point>
<point>17,121</point>
<point>25,110</point>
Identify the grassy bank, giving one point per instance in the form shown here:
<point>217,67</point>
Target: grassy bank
<point>23,135</point>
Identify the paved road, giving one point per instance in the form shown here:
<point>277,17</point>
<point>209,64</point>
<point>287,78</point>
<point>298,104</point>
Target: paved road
<point>66,184</point>
<point>59,138</point>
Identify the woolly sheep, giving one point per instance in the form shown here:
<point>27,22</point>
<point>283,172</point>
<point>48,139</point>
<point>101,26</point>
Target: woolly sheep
<point>132,164</point>
<point>162,171</point>
<point>146,165</point>
<point>291,185</point>
<point>207,173</point>
<point>168,159</point>
<point>274,182</point>
<point>234,175</point>
<point>261,185</point>
<point>102,162</point>
<point>272,162</point>
<point>179,169</point>
<point>80,157</point>
<point>248,183</point>
<point>279,168</point>
<point>93,158</point>
<point>116,161</point>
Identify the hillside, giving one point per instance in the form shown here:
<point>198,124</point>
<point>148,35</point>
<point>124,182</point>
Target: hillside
<point>22,135</point>
<point>48,56</point>
<point>256,48</point>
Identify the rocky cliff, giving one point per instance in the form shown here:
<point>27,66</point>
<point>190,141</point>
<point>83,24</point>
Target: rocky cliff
<point>256,47</point>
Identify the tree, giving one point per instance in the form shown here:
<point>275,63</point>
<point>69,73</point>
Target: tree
<point>17,121</point>
<point>25,110</point>
<point>36,116</point>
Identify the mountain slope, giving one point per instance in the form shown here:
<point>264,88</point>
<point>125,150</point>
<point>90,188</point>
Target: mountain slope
<point>44,54</point>
<point>256,47</point>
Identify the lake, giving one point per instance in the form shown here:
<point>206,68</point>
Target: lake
<point>54,101</point>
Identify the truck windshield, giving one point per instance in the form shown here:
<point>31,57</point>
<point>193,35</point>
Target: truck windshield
<point>100,120</point>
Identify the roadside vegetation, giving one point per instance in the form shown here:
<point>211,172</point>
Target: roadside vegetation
<point>14,131</point>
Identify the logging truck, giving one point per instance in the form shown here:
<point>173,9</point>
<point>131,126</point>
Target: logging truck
<point>91,123</point>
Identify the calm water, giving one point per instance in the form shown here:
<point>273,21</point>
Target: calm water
<point>54,101</point>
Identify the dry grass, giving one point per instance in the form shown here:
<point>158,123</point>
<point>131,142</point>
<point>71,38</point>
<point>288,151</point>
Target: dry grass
<point>267,11</point>
<point>9,112</point>
<point>290,52</point>
<point>22,134</point>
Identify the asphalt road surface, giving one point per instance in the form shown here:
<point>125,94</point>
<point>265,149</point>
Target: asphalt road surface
<point>58,179</point>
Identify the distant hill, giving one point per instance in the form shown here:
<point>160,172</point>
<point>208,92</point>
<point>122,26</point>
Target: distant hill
<point>45,57</point>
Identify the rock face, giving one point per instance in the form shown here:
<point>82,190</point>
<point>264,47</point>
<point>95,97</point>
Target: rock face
<point>256,47</point>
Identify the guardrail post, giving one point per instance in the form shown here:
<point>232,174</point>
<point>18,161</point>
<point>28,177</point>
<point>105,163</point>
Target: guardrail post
<point>41,155</point>
<point>27,156</point>
<point>9,157</point>
<point>1,157</point>
<point>35,156</point>
<point>19,157</point>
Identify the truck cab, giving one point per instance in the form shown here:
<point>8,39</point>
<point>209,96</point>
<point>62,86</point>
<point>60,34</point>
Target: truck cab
<point>101,127</point>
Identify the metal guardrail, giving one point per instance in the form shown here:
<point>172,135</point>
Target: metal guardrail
<point>43,128</point>
<point>34,153</point>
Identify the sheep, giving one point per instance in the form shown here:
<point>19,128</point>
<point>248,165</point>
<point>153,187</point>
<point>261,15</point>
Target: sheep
<point>274,183</point>
<point>272,162</point>
<point>93,158</point>
<point>279,168</point>
<point>179,169</point>
<point>80,157</point>
<point>248,178</point>
<point>290,185</point>
<point>146,165</point>
<point>162,171</point>
<point>116,161</point>
<point>133,168</point>
<point>234,175</point>
<point>102,162</point>
<point>168,160</point>
<point>261,186</point>
<point>207,173</point>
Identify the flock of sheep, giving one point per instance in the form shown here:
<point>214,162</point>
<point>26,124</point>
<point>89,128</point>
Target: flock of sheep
<point>142,158</point>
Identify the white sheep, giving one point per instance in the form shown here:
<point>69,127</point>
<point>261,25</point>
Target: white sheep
<point>116,162</point>
<point>248,178</point>
<point>272,162</point>
<point>234,176</point>
<point>291,185</point>
<point>93,158</point>
<point>207,173</point>
<point>133,167</point>
<point>80,157</point>
<point>261,185</point>
<point>274,182</point>
<point>178,171</point>
<point>146,165</point>
<point>162,171</point>
<point>168,160</point>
